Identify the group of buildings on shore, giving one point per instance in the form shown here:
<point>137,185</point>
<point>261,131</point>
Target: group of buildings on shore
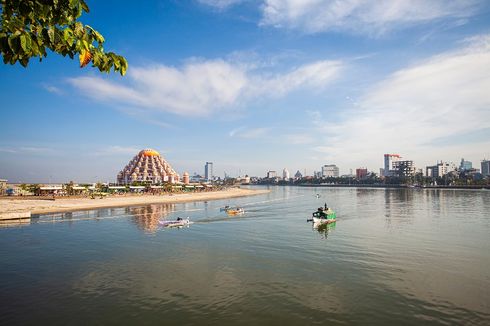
<point>394,167</point>
<point>149,171</point>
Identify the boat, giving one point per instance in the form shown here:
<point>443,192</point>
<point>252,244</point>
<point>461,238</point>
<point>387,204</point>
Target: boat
<point>235,211</point>
<point>224,209</point>
<point>324,216</point>
<point>179,222</point>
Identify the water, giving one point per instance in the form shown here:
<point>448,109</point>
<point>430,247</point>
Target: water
<point>401,256</point>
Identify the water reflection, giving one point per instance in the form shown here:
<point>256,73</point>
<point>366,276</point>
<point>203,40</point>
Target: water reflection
<point>146,217</point>
<point>324,229</point>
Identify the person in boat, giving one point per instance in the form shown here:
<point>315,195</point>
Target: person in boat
<point>321,213</point>
<point>179,218</point>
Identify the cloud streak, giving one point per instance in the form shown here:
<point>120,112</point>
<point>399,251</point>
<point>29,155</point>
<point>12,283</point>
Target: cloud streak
<point>373,17</point>
<point>202,87</point>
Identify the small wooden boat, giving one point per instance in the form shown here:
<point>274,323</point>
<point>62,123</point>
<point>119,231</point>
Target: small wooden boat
<point>179,222</point>
<point>235,211</point>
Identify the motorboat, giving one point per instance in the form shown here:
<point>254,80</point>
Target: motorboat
<point>322,216</point>
<point>224,209</point>
<point>235,211</point>
<point>179,222</point>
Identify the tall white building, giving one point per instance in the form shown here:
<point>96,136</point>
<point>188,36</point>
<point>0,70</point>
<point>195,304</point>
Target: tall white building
<point>439,170</point>
<point>208,171</point>
<point>485,168</point>
<point>390,165</point>
<point>330,170</point>
<point>285,174</point>
<point>271,174</point>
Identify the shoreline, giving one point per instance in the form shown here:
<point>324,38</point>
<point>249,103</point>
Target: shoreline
<point>82,204</point>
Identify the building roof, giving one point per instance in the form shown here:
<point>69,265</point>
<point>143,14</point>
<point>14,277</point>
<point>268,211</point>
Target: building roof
<point>149,152</point>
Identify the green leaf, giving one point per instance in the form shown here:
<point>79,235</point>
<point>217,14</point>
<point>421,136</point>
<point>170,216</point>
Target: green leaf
<point>23,43</point>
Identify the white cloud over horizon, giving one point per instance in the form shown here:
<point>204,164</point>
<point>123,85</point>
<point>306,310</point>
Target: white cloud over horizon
<point>413,109</point>
<point>202,87</point>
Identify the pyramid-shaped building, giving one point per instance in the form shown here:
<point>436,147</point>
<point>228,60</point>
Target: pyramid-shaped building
<point>150,166</point>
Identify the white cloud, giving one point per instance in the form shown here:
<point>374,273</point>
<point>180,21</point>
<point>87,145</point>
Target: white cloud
<point>314,76</point>
<point>220,4</point>
<point>52,89</point>
<point>362,16</point>
<point>445,97</point>
<point>202,87</point>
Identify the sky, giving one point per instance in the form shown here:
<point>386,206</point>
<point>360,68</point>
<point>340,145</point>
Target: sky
<point>254,86</point>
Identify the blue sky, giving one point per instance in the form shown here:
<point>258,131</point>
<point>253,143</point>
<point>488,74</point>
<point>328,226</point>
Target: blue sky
<point>255,86</point>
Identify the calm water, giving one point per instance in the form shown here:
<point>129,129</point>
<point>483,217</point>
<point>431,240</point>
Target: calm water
<point>394,257</point>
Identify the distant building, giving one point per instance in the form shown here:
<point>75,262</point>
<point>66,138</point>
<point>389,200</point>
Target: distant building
<point>148,166</point>
<point>361,173</point>
<point>271,174</point>
<point>439,170</point>
<point>208,171</point>
<point>465,165</point>
<point>330,170</point>
<point>404,168</point>
<point>3,187</point>
<point>185,178</point>
<point>285,174</point>
<point>298,175</point>
<point>485,168</point>
<point>389,164</point>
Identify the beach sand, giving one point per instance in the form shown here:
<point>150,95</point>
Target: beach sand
<point>67,204</point>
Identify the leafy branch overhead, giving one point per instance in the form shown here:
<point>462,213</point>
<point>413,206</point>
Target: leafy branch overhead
<point>28,28</point>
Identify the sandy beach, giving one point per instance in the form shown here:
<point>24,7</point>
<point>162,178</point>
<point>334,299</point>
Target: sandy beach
<point>67,204</point>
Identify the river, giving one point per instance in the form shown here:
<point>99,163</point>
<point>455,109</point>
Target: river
<point>394,257</point>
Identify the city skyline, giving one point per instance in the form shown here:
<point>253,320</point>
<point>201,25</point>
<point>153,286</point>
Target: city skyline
<point>257,86</point>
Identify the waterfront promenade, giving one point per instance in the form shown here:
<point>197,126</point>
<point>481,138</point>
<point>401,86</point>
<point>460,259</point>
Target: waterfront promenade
<point>66,204</point>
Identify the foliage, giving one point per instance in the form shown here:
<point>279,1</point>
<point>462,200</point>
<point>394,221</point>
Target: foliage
<point>28,28</point>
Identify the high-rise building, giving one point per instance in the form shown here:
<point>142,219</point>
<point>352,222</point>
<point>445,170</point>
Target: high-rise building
<point>465,165</point>
<point>271,174</point>
<point>404,168</point>
<point>150,166</point>
<point>208,171</point>
<point>485,168</point>
<point>439,170</point>
<point>361,173</point>
<point>330,170</point>
<point>389,166</point>
<point>285,174</point>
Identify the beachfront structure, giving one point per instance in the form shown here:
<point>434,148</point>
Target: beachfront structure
<point>389,164</point>
<point>208,171</point>
<point>3,187</point>
<point>330,170</point>
<point>485,168</point>
<point>185,178</point>
<point>148,166</point>
<point>285,174</point>
<point>439,170</point>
